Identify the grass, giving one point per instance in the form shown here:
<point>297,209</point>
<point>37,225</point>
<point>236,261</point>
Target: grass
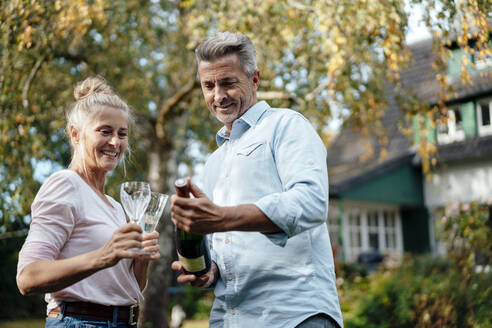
<point>23,324</point>
<point>194,324</point>
<point>40,323</point>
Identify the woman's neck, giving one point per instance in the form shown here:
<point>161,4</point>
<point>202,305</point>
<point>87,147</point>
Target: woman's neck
<point>94,178</point>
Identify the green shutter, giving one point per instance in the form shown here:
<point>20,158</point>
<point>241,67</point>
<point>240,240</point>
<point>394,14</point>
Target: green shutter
<point>468,115</point>
<point>454,63</point>
<point>431,135</point>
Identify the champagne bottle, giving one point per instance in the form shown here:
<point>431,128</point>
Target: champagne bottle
<point>192,248</point>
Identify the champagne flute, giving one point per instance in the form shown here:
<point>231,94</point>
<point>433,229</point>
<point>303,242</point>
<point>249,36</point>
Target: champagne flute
<point>154,211</point>
<point>135,197</point>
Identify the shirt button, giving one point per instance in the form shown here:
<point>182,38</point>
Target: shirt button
<point>227,241</point>
<point>229,277</point>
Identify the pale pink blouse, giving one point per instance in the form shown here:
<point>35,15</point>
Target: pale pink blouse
<point>69,219</point>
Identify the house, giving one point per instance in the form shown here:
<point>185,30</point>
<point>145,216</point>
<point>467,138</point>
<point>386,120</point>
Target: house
<point>386,204</point>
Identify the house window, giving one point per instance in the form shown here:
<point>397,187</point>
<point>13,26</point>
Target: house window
<point>481,63</point>
<point>371,229</point>
<point>452,130</point>
<point>355,232</point>
<point>389,230</point>
<point>484,114</point>
<point>355,235</point>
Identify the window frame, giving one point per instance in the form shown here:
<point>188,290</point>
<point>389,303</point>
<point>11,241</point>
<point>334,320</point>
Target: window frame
<point>364,210</point>
<point>483,130</point>
<point>481,63</point>
<point>453,133</point>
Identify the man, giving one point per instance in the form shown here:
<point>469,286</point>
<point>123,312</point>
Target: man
<point>264,204</point>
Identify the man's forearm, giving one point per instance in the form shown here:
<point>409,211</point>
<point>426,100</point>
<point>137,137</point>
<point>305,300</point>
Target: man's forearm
<point>247,217</point>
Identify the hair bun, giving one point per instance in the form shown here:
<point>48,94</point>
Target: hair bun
<point>92,85</point>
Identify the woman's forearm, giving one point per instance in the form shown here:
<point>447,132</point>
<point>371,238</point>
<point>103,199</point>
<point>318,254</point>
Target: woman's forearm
<point>46,276</point>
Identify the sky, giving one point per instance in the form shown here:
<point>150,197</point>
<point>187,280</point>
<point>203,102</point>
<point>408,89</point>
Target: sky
<point>417,30</point>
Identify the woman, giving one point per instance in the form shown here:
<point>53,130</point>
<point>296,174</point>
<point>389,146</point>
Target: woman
<point>77,250</point>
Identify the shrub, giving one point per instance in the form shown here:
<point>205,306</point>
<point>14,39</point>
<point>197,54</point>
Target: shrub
<point>196,302</point>
<point>429,291</point>
<point>14,305</point>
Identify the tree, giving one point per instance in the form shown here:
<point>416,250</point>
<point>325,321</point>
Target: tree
<point>322,58</point>
<point>47,47</point>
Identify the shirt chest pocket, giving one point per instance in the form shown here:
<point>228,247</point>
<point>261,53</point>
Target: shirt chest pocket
<point>252,150</point>
<point>253,165</point>
<point>253,162</point>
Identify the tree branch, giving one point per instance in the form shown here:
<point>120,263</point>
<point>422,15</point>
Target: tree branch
<point>5,57</point>
<point>310,96</point>
<point>13,234</point>
<point>269,95</point>
<point>170,102</point>
<point>27,86</point>
<point>300,6</point>
<point>72,58</point>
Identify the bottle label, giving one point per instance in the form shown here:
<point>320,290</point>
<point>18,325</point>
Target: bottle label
<point>192,265</point>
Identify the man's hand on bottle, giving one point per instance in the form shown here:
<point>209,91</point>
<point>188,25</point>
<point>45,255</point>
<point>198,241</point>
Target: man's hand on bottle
<point>197,215</point>
<point>203,281</point>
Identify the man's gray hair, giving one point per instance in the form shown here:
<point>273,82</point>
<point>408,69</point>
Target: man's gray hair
<point>226,43</point>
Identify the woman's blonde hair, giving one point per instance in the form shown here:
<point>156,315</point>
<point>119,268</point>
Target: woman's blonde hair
<point>91,96</point>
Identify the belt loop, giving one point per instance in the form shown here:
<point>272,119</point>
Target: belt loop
<point>115,316</point>
<point>63,306</point>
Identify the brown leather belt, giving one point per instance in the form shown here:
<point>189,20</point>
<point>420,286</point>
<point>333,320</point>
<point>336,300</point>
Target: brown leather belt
<point>86,310</point>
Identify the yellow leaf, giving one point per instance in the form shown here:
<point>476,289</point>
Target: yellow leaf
<point>340,40</point>
<point>20,118</point>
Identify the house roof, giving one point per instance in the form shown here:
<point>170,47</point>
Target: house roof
<point>471,148</point>
<point>348,163</point>
<point>421,80</point>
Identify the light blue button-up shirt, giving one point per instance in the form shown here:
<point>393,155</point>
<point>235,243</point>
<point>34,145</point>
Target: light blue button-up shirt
<point>273,158</point>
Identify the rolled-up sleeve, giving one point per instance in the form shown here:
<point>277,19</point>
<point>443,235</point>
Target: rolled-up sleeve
<point>300,158</point>
<point>53,215</point>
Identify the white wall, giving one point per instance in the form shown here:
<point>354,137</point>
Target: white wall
<point>459,183</point>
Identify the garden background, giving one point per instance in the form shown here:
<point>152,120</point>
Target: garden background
<point>330,60</point>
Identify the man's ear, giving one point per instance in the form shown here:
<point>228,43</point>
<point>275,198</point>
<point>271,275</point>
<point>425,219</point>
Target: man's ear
<point>256,79</point>
<point>74,135</point>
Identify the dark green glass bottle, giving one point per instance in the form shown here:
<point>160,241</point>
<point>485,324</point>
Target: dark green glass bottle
<point>193,251</point>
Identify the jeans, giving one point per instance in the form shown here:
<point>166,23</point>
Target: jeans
<point>318,321</point>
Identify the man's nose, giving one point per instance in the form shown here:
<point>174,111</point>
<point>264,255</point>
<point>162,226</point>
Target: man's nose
<point>220,94</point>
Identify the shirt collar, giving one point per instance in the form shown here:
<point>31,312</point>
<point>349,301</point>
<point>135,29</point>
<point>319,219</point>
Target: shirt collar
<point>239,126</point>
